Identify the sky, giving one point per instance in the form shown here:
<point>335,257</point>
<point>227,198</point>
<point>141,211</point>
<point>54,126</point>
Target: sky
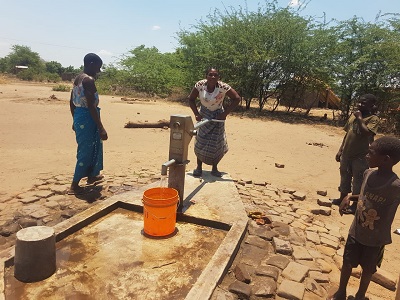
<point>64,31</point>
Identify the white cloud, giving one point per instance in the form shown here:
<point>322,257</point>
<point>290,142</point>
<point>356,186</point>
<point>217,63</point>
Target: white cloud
<point>155,27</point>
<point>294,3</point>
<point>104,53</point>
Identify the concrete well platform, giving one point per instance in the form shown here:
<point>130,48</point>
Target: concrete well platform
<point>102,253</point>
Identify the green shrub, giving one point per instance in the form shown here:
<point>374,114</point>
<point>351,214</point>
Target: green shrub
<point>61,88</point>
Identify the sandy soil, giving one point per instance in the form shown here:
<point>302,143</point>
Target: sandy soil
<point>36,138</point>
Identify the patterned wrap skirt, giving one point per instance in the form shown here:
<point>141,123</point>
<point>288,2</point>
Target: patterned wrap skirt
<point>89,157</point>
<point>211,144</point>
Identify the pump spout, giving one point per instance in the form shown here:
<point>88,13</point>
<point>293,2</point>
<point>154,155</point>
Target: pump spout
<point>164,166</point>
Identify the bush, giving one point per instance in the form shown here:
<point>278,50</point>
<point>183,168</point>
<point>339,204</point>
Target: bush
<point>61,88</point>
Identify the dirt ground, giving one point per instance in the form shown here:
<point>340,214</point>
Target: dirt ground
<point>36,138</point>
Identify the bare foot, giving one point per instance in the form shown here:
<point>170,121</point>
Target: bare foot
<point>78,191</point>
<point>95,180</point>
<point>216,173</point>
<point>197,172</point>
<point>337,296</point>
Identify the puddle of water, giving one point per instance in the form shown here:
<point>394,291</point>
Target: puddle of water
<point>111,259</point>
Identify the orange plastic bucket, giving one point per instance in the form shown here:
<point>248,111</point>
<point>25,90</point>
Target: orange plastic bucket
<point>159,211</point>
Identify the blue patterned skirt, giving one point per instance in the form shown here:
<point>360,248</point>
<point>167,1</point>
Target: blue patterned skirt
<point>90,147</point>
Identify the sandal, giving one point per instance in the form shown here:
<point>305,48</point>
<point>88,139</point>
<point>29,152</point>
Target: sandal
<point>197,172</point>
<point>336,201</point>
<point>216,173</point>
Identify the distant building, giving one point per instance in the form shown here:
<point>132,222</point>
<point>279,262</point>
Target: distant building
<point>20,68</point>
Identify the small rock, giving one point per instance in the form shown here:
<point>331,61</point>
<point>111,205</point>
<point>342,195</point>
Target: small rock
<point>9,229</point>
<point>257,241</point>
<point>322,192</point>
<point>295,271</point>
<point>314,287</point>
<point>289,289</point>
<point>268,271</point>
<point>264,287</point>
<point>44,194</point>
<point>28,200</point>
<point>260,183</point>
<point>39,214</point>
<point>329,243</point>
<point>241,273</point>
<point>282,246</point>
<point>325,266</point>
<point>299,196</point>
<point>319,276</point>
<point>325,211</point>
<point>68,213</point>
<point>301,253</point>
<point>323,201</point>
<point>313,237</point>
<point>241,289</point>
<point>278,261</point>
<point>3,240</point>
<point>27,222</point>
<point>280,166</point>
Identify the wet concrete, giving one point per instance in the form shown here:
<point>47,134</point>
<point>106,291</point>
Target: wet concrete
<point>102,253</point>
<point>97,261</point>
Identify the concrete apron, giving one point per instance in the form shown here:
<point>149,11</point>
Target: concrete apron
<point>188,265</point>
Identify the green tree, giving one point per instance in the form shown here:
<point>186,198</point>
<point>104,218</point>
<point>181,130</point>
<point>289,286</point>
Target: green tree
<point>260,53</point>
<point>54,67</point>
<point>24,56</point>
<point>149,71</point>
<point>366,60</point>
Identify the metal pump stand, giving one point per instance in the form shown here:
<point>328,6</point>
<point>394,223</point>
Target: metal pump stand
<point>181,133</point>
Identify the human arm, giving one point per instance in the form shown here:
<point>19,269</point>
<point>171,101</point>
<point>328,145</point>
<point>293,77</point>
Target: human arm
<point>234,96</point>
<point>364,129</point>
<point>346,202</point>
<point>72,108</point>
<point>90,90</point>
<point>192,103</point>
<point>340,151</point>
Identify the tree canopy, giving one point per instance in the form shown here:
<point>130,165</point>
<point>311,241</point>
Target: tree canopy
<point>270,53</point>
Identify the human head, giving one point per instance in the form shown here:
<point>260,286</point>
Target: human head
<point>212,72</point>
<point>92,64</point>
<point>366,103</point>
<point>385,150</point>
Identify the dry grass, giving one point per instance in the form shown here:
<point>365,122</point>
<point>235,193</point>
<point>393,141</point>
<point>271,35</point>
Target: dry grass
<point>3,79</point>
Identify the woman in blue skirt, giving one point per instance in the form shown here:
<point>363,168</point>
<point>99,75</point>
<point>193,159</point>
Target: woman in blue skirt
<point>87,125</point>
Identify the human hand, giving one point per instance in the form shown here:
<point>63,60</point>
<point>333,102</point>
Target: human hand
<point>344,205</point>
<point>103,134</point>
<point>221,116</point>
<point>338,156</point>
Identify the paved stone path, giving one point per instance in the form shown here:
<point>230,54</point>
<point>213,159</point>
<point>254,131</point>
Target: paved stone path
<point>47,202</point>
<point>291,250</point>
